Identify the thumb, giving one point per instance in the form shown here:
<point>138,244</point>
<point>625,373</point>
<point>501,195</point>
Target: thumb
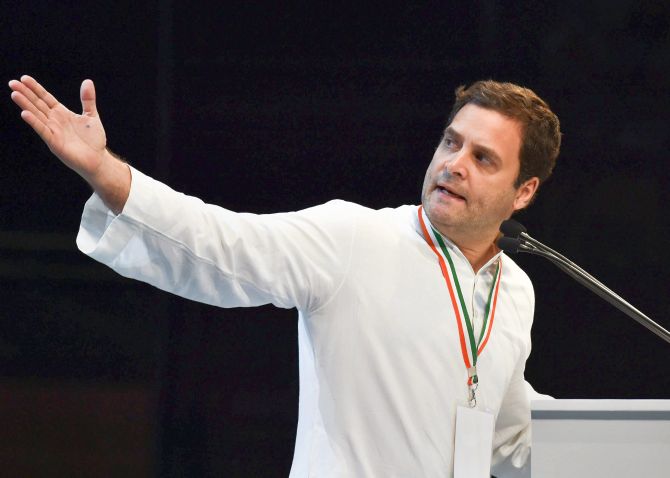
<point>87,94</point>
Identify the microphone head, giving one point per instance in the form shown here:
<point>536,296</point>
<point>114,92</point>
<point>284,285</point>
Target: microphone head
<point>509,245</point>
<point>511,228</point>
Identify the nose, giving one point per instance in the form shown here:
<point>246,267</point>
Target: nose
<point>456,164</point>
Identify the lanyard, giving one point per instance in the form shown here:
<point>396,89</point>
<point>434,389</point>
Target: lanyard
<point>470,348</point>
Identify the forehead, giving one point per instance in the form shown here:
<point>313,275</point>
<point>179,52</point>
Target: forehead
<point>489,129</point>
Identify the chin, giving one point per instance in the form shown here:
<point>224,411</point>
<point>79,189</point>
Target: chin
<point>435,203</point>
<point>437,213</point>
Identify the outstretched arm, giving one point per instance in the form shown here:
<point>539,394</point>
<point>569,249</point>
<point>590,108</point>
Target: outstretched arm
<point>79,141</point>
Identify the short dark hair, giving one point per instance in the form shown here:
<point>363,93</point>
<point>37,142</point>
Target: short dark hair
<point>541,135</point>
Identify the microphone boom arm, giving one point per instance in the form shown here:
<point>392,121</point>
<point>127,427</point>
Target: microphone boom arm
<point>529,245</point>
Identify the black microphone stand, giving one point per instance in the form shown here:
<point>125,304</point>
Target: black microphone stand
<point>525,243</point>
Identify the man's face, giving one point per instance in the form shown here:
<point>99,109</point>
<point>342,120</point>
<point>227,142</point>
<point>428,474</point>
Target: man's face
<point>469,186</point>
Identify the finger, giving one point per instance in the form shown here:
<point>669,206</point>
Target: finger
<point>40,128</point>
<point>87,94</point>
<point>39,90</point>
<point>23,103</point>
<point>13,84</point>
<point>31,96</point>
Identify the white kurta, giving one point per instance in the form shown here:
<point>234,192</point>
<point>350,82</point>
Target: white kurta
<point>381,370</point>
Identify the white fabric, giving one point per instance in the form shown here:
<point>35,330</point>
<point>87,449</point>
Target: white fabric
<point>381,370</point>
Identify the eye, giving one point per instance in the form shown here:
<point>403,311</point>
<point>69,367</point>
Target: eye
<point>482,158</point>
<point>449,142</point>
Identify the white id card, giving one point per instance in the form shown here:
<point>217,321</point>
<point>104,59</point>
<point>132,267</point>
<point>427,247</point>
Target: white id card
<point>474,443</point>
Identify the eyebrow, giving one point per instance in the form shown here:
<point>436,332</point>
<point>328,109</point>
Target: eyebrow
<point>449,131</point>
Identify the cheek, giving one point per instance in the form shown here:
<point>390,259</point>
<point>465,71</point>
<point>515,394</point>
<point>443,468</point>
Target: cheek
<point>507,201</point>
<point>428,178</point>
<point>498,197</point>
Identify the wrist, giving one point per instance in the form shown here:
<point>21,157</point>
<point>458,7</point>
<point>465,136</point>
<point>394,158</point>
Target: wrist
<point>111,181</point>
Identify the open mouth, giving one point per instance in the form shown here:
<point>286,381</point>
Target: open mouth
<point>448,192</point>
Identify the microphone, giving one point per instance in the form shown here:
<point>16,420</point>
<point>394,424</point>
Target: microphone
<point>512,228</point>
<point>516,239</point>
<point>509,245</point>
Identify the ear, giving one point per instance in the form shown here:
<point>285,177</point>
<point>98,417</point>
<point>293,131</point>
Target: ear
<point>525,193</point>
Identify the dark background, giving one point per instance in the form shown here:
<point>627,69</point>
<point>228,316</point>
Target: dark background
<point>266,108</point>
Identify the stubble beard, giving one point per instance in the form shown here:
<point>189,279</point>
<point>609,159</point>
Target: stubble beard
<point>467,220</point>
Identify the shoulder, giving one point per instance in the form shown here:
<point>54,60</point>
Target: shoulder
<point>340,211</point>
<point>363,227</point>
<point>339,207</point>
<point>350,207</point>
<point>516,281</point>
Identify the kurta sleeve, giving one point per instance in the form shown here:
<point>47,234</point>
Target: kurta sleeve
<point>212,255</point>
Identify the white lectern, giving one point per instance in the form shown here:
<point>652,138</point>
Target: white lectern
<point>600,438</point>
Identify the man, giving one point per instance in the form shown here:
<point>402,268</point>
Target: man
<point>407,316</point>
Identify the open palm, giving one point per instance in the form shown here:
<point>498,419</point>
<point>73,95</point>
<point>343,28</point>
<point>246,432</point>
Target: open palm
<point>77,140</point>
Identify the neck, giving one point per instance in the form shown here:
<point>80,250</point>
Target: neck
<point>478,246</point>
<point>477,249</point>
<point>478,256</point>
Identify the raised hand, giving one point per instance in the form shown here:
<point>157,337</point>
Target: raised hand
<point>79,141</point>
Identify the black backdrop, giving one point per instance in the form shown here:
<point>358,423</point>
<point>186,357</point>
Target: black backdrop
<point>265,108</point>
